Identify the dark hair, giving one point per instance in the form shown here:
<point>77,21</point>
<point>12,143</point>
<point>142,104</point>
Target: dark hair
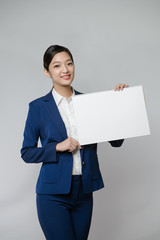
<point>51,52</point>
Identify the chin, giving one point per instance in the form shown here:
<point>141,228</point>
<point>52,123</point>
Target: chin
<point>67,83</point>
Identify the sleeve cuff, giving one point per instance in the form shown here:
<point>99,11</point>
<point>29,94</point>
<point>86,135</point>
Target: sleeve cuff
<point>51,155</point>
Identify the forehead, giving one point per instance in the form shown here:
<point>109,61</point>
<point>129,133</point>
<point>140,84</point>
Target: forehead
<point>61,57</point>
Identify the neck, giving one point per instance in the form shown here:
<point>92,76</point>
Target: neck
<point>65,91</point>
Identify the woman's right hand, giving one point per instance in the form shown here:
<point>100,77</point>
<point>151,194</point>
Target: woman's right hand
<point>70,144</point>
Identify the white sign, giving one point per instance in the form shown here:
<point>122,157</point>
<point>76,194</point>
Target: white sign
<point>110,115</point>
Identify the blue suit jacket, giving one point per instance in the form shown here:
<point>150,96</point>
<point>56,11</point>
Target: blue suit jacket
<point>44,121</point>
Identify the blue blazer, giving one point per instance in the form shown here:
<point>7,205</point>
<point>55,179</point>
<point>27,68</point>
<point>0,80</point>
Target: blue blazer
<point>44,121</point>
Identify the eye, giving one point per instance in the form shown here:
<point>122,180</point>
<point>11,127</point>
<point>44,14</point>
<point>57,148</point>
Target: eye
<point>56,66</point>
<point>70,63</point>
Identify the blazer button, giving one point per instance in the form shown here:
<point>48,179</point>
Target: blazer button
<point>83,163</point>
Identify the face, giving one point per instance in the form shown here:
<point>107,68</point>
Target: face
<point>61,69</point>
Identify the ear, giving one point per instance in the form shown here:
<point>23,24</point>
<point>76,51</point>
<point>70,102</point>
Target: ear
<point>47,73</point>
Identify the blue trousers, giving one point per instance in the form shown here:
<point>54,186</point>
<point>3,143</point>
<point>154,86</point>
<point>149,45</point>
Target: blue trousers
<point>66,216</point>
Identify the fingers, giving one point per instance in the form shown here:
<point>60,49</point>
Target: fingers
<point>78,145</point>
<point>120,86</point>
<point>73,144</point>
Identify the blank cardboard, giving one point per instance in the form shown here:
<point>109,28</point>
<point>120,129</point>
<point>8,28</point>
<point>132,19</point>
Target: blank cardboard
<point>111,115</point>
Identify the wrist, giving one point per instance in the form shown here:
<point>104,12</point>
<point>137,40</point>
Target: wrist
<point>57,147</point>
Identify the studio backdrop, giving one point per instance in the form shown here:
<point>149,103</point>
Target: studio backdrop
<point>112,42</point>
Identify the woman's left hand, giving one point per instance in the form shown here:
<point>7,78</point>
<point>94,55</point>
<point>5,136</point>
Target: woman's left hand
<point>120,86</point>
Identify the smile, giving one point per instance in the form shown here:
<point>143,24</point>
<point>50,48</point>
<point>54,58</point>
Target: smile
<point>66,77</point>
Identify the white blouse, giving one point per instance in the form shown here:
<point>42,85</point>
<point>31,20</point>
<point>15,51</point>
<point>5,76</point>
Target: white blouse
<point>65,107</point>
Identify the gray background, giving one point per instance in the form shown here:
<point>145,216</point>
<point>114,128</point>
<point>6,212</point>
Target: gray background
<point>112,42</point>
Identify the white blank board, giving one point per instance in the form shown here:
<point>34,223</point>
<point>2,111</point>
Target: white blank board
<point>111,115</point>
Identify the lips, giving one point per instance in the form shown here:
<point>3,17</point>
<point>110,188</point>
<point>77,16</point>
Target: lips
<point>66,77</point>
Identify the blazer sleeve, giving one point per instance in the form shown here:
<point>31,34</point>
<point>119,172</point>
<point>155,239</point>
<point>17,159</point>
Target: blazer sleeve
<point>116,143</point>
<point>30,153</point>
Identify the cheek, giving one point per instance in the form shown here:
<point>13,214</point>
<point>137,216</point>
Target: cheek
<point>55,74</point>
<point>72,69</point>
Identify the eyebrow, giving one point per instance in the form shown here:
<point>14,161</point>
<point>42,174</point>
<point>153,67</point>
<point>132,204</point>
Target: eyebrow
<point>59,61</point>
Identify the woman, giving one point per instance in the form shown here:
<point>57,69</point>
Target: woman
<point>70,172</point>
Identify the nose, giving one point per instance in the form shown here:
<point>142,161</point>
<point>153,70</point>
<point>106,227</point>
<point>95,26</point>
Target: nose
<point>65,69</point>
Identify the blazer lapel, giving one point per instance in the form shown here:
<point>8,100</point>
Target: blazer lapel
<point>53,112</point>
